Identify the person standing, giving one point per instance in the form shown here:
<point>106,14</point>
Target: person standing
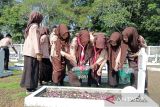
<point>114,49</point>
<point>5,43</point>
<point>98,59</point>
<point>59,40</point>
<point>130,46</point>
<point>31,52</point>
<point>45,66</point>
<point>142,66</point>
<point>79,55</point>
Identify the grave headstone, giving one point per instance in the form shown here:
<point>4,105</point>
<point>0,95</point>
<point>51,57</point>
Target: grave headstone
<point>3,73</point>
<point>1,60</point>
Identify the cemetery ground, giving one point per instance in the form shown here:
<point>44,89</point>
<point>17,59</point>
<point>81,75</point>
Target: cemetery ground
<point>12,95</point>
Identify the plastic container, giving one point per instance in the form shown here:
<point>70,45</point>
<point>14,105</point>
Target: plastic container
<point>82,71</point>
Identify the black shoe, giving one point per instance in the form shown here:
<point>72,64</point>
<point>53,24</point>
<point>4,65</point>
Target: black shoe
<point>30,91</point>
<point>6,69</point>
<point>146,92</point>
<point>113,86</point>
<point>61,83</point>
<point>40,83</point>
<point>98,85</point>
<point>80,80</point>
<point>89,85</point>
<point>55,84</point>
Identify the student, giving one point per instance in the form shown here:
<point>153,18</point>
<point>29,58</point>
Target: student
<point>45,66</point>
<point>59,42</point>
<point>98,59</point>
<point>142,65</point>
<point>31,52</point>
<point>114,49</point>
<point>5,43</point>
<point>130,45</point>
<point>79,54</point>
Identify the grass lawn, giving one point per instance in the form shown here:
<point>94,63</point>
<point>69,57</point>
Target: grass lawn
<point>11,94</point>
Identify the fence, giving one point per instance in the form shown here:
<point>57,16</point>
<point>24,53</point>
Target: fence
<point>153,54</point>
<point>152,51</point>
<point>16,57</point>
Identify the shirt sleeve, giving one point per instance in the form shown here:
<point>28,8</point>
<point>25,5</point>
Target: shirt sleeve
<point>73,47</point>
<point>102,56</point>
<point>36,38</point>
<point>11,43</point>
<point>52,39</point>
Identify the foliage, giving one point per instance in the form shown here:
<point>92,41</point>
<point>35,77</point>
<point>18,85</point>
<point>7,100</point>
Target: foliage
<point>145,14</point>
<point>12,21</point>
<point>99,15</point>
<point>109,16</point>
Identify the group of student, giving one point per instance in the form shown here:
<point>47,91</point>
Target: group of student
<point>51,56</point>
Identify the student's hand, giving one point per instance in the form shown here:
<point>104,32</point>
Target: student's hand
<point>133,55</point>
<point>39,57</point>
<point>115,69</point>
<point>99,72</point>
<point>16,52</point>
<point>119,66</point>
<point>62,53</point>
<point>92,66</point>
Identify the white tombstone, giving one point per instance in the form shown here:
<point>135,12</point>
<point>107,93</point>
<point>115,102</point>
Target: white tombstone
<point>2,72</point>
<point>142,65</point>
<point>1,60</point>
<point>129,91</point>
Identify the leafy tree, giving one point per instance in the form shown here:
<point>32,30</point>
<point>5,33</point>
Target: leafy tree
<point>12,21</point>
<point>109,16</point>
<point>145,14</point>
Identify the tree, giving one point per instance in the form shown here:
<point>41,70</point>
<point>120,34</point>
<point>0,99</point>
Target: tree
<point>109,16</point>
<point>12,21</point>
<point>145,14</point>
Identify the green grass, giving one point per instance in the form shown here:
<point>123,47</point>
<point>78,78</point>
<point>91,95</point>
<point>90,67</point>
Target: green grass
<point>18,95</point>
<point>17,72</point>
<point>11,82</point>
<point>11,94</point>
<point>12,85</point>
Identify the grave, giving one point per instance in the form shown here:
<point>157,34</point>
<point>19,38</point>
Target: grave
<point>57,96</point>
<point>17,66</point>
<point>3,73</point>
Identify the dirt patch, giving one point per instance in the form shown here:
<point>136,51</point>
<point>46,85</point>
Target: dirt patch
<point>11,98</point>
